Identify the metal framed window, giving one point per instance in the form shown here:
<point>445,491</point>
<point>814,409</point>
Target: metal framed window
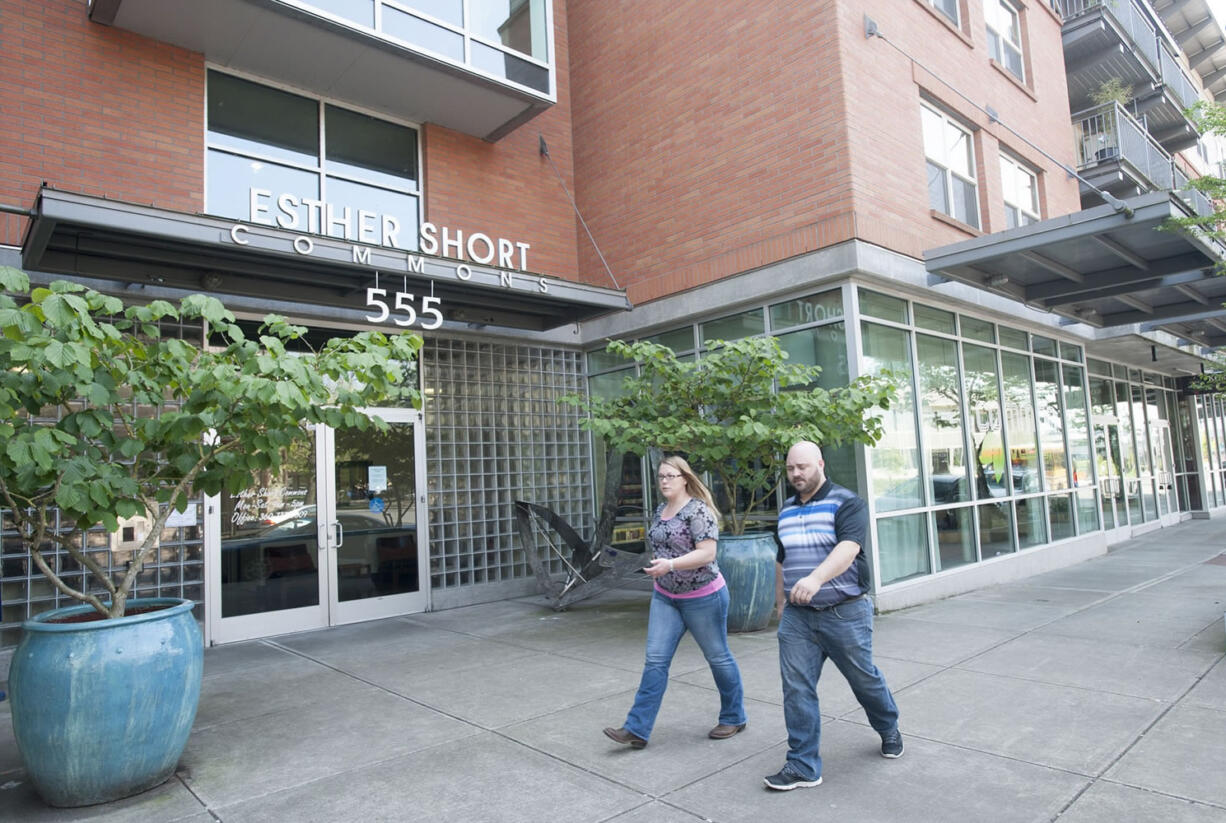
<point>1021,193</point>
<point>950,152</point>
<point>1005,35</point>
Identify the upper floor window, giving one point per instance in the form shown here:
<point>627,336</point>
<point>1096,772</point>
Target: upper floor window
<point>1021,190</point>
<point>1005,35</point>
<point>285,160</point>
<point>950,152</point>
<point>949,8</point>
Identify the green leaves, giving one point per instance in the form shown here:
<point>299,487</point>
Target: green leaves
<point>733,413</point>
<point>100,415</point>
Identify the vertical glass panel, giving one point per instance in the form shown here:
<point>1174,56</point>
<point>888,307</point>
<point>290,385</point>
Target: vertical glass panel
<point>927,317</point>
<point>986,428</point>
<point>361,12</point>
<point>376,496</point>
<point>1061,508</point>
<point>933,126</point>
<point>1087,511</point>
<point>894,476</point>
<point>1043,345</point>
<point>824,346</point>
<point>955,537</point>
<point>502,64</point>
<point>1070,352</point>
<point>1098,367</point>
<point>938,192</point>
<point>958,150</point>
<point>609,385</point>
<point>601,360</point>
<point>812,309</point>
<point>1020,424</point>
<point>1031,522</point>
<point>1128,453</point>
<point>362,214</point>
<point>679,340</point>
<point>516,24</point>
<point>231,180</point>
<point>966,201</point>
<point>424,34</point>
<point>977,329</point>
<point>745,324</point>
<point>885,306</point>
<point>1014,338</point>
<point>257,119</point>
<point>940,394</point>
<point>902,547</point>
<point>1051,425</point>
<point>1078,427</point>
<point>269,539</point>
<point>995,529</point>
<point>371,149</point>
<point>449,11</point>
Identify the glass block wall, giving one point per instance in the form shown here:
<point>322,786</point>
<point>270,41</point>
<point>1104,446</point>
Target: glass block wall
<point>496,433</point>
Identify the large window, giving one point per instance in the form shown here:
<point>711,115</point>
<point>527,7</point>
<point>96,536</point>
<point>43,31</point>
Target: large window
<point>1005,35</point>
<point>1021,193</point>
<point>285,160</point>
<point>950,152</point>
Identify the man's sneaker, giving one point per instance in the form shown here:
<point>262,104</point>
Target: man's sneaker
<point>786,780</point>
<point>891,744</point>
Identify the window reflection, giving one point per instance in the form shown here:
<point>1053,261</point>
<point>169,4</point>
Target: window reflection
<point>895,459</point>
<point>1020,423</point>
<point>941,418</point>
<point>1031,522</point>
<point>903,547</point>
<point>996,529</point>
<point>1078,427</point>
<point>1128,453</point>
<point>955,537</point>
<point>1051,424</point>
<point>985,420</point>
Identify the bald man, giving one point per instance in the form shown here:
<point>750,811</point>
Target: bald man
<point>821,591</point>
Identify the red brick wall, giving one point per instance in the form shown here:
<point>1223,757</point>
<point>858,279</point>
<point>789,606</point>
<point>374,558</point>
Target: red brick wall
<point>507,189</point>
<point>97,110</point>
<point>709,142</point>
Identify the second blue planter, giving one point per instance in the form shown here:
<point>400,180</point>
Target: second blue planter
<point>748,564</point>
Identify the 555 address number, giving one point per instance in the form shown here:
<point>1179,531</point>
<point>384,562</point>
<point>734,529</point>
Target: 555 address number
<point>405,305</point>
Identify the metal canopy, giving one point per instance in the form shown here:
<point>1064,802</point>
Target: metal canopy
<point>1107,268</point>
<point>1199,35</point>
<point>95,237</point>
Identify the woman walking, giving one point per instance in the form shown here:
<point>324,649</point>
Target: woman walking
<point>690,594</point>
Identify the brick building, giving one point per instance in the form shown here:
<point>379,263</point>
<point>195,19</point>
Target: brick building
<point>878,183</point>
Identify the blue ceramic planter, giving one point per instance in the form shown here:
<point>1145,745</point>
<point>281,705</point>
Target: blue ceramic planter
<point>102,710</point>
<point>748,564</point>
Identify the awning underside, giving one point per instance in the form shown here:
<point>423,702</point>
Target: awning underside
<point>1104,267</point>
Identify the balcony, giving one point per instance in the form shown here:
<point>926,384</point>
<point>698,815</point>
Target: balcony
<point>1122,40</point>
<point>481,67</point>
<point>1116,154</point>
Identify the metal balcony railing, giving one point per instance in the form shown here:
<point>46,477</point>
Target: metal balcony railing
<point>1109,132</point>
<point>1174,77</point>
<point>1130,17</point>
<point>1195,199</point>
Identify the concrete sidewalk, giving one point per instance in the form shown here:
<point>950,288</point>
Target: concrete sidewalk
<point>1093,693</point>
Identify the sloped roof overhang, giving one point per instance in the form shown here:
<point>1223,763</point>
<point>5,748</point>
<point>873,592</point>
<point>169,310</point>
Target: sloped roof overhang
<point>95,237</point>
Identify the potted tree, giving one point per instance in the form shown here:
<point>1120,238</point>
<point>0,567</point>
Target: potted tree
<point>734,414</point>
<point>103,418</point>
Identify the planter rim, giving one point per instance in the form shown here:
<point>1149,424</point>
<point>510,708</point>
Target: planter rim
<point>38,623</point>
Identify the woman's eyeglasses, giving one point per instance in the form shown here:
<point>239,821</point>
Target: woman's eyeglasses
<point>667,476</point>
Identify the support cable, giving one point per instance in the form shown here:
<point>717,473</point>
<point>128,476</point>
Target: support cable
<point>573,205</point>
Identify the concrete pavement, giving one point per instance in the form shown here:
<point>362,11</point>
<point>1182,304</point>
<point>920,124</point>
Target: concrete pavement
<point>1093,694</point>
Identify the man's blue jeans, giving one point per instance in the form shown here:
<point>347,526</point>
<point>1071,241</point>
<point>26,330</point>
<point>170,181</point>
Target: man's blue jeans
<point>843,633</point>
<point>707,619</point>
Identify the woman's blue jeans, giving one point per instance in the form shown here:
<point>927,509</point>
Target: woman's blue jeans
<point>707,619</point>
<point>843,633</point>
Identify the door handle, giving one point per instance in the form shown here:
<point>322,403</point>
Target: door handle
<point>340,534</point>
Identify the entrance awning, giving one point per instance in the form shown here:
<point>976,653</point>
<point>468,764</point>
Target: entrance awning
<point>95,237</point>
<point>1112,269</point>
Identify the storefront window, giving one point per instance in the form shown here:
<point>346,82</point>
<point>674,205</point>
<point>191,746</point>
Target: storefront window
<point>996,529</point>
<point>902,547</point>
<point>1031,522</point>
<point>941,405</point>
<point>1077,427</point>
<point>884,306</point>
<point>1128,455</point>
<point>745,324</point>
<point>1020,424</point>
<point>986,422</point>
<point>679,340</point>
<point>976,329</point>
<point>895,478</point>
<point>1051,425</point>
<point>955,537</point>
<point>813,309</point>
<point>927,317</point>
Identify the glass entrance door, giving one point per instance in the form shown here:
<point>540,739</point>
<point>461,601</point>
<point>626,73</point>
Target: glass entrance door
<point>331,538</point>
